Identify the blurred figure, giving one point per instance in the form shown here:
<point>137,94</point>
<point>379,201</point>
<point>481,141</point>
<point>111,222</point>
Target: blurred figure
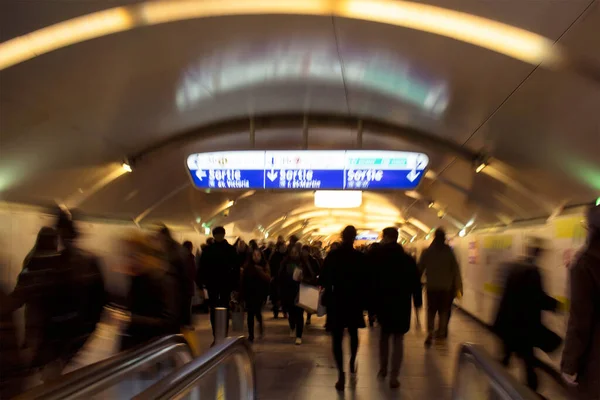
<point>444,282</point>
<point>175,255</point>
<point>12,365</point>
<point>153,308</point>
<point>519,318</point>
<point>314,266</point>
<point>581,354</point>
<point>275,265</point>
<point>293,271</point>
<point>371,261</point>
<point>242,252</point>
<point>396,282</point>
<point>190,268</point>
<point>66,292</point>
<point>46,244</point>
<point>292,241</point>
<point>255,287</point>
<point>253,245</point>
<point>334,246</point>
<point>344,281</point>
<point>268,251</point>
<point>219,272</point>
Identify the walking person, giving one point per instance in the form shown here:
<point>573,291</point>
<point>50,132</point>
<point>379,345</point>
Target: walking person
<point>519,318</point>
<point>190,268</point>
<point>255,287</point>
<point>581,354</point>
<point>293,271</point>
<point>314,266</point>
<point>444,281</point>
<point>153,308</point>
<point>396,282</point>
<point>344,281</point>
<point>275,265</point>
<point>219,272</point>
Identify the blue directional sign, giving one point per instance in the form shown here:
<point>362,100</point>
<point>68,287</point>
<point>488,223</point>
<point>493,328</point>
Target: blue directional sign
<point>308,170</point>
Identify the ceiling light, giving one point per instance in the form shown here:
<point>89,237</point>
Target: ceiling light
<point>470,223</point>
<point>266,235</point>
<point>207,231</point>
<point>462,233</point>
<point>502,38</point>
<point>480,167</point>
<point>198,219</point>
<point>338,199</point>
<point>230,203</point>
<point>598,201</point>
<point>126,167</point>
<point>431,204</point>
<point>427,236</point>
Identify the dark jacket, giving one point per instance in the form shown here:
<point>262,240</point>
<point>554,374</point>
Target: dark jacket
<point>219,268</point>
<point>581,353</point>
<point>519,318</point>
<point>288,287</point>
<point>396,281</point>
<point>154,309</point>
<point>275,264</point>
<point>190,270</point>
<point>255,282</point>
<point>66,294</point>
<point>345,280</point>
<point>12,365</point>
<point>439,263</point>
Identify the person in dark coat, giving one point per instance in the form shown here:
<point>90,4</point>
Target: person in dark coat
<point>519,318</point>
<point>581,354</point>
<point>190,269</point>
<point>293,271</point>
<point>219,272</point>
<point>12,364</point>
<point>66,290</point>
<point>315,268</point>
<point>255,287</point>
<point>396,281</point>
<point>153,308</point>
<point>444,282</point>
<point>343,279</point>
<point>275,265</point>
<point>175,256</point>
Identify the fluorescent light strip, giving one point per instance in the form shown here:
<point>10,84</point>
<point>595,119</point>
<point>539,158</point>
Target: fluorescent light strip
<point>496,36</point>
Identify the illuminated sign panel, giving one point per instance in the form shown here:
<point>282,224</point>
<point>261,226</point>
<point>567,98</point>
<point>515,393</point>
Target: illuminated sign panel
<point>308,170</point>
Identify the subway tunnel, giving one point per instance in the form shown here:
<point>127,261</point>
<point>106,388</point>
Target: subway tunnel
<point>103,104</point>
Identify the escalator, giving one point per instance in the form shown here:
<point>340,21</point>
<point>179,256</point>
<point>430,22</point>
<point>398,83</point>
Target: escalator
<point>227,371</point>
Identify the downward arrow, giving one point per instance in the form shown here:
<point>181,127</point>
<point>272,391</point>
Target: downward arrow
<point>272,175</point>
<point>412,175</point>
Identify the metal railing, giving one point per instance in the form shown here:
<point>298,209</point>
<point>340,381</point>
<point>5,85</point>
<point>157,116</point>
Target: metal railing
<point>184,380</point>
<point>492,380</point>
<point>87,381</point>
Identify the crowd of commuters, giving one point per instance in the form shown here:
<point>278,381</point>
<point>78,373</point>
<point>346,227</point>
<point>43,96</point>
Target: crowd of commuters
<point>62,288</point>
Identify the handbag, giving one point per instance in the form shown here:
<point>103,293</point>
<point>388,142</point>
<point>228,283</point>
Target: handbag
<point>308,298</point>
<point>321,309</point>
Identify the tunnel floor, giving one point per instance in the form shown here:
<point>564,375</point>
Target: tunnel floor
<point>286,371</point>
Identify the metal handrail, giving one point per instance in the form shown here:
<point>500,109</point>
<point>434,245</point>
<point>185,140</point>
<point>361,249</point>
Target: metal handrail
<point>99,376</point>
<point>502,381</point>
<point>185,378</point>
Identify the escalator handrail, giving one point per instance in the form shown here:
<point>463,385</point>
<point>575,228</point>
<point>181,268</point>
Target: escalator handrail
<point>183,379</point>
<point>476,354</point>
<point>95,377</point>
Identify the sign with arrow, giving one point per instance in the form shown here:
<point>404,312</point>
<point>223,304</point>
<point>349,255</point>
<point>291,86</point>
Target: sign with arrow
<point>308,170</point>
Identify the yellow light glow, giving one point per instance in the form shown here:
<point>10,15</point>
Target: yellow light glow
<point>480,167</point>
<point>126,167</point>
<point>502,38</point>
<point>338,199</point>
<point>419,224</point>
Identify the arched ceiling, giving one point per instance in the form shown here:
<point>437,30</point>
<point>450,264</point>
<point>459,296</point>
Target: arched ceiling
<point>70,116</point>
